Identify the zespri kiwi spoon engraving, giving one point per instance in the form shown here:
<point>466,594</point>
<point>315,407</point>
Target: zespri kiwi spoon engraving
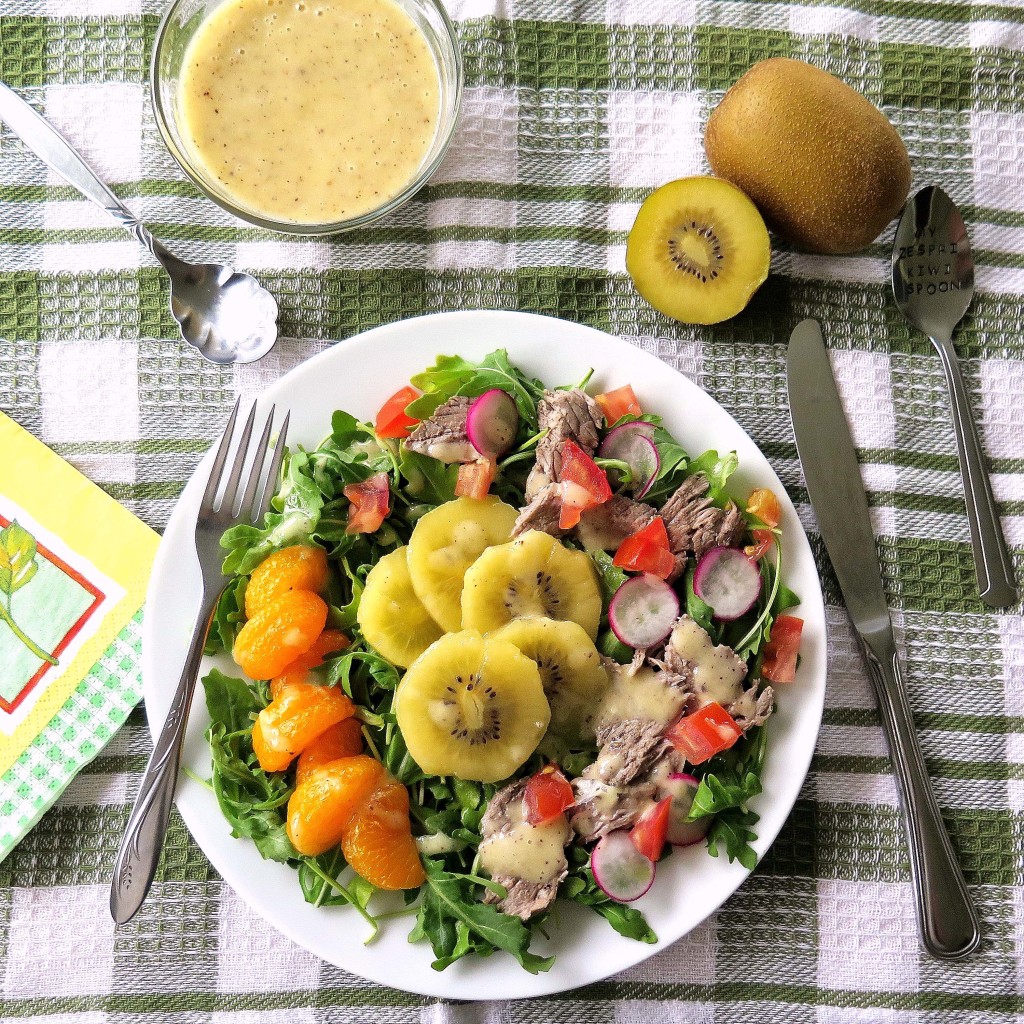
<point>933,282</point>
<point>229,317</point>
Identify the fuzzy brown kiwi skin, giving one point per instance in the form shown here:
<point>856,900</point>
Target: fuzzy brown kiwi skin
<point>824,166</point>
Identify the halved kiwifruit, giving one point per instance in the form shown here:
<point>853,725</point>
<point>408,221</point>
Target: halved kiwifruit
<point>698,250</point>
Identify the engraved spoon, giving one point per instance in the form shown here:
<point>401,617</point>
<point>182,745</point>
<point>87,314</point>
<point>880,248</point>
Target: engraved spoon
<point>228,316</point>
<point>933,282</point>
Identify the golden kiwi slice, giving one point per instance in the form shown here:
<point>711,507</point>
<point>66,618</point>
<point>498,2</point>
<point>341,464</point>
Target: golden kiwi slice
<point>471,707</point>
<point>698,250</point>
<point>533,575</point>
<point>570,667</point>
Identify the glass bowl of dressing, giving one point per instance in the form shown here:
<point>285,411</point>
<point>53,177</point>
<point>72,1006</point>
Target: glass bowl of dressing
<point>307,117</point>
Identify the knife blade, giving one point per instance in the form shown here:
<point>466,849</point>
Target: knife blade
<point>948,920</point>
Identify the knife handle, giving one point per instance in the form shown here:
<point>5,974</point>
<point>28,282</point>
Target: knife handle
<point>949,923</point>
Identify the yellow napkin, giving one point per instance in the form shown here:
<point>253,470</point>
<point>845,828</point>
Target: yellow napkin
<point>74,566</point>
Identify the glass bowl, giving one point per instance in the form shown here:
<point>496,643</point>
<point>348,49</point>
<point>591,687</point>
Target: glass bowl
<point>180,24</point>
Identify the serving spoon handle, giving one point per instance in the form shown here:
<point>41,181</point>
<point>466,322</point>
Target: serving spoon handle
<point>59,155</point>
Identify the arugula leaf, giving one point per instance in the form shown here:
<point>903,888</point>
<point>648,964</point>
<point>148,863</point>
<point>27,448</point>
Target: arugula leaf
<point>251,800</point>
<point>231,702</point>
<point>612,647</point>
<point>428,480</point>
<point>733,777</point>
<point>580,887</point>
<point>228,617</point>
<point>609,575</point>
<point>717,468</point>
<point>455,922</point>
<point>247,546</point>
<point>453,375</point>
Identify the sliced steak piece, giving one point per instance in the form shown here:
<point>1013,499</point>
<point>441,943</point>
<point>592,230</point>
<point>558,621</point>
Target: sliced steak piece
<point>695,524</point>
<point>601,808</point>
<point>606,526</point>
<point>542,513</point>
<point>528,860</point>
<point>443,435</point>
<point>628,750</point>
<point>643,691</point>
<point>565,415</point>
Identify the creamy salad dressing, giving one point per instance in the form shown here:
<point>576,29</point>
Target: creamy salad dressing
<point>534,853</point>
<point>717,672</point>
<point>309,111</point>
<point>641,694</point>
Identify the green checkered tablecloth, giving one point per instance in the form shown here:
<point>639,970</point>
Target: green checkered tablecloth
<point>574,110</point>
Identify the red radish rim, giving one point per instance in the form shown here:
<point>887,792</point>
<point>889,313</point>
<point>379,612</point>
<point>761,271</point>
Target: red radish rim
<point>708,564</point>
<point>624,593</point>
<point>499,400</point>
<point>604,850</point>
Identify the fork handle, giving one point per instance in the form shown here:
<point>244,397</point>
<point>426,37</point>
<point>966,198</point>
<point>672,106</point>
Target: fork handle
<point>143,840</point>
<point>991,559</point>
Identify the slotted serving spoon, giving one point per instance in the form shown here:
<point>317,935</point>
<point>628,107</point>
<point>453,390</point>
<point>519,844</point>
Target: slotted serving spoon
<point>933,282</point>
<point>228,316</point>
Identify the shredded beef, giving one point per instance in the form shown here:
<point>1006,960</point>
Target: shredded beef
<point>524,898</point>
<point>541,513</point>
<point>606,526</point>
<point>695,524</point>
<point>565,415</point>
<point>601,808</point>
<point>628,750</point>
<point>442,436</point>
<point>752,708</point>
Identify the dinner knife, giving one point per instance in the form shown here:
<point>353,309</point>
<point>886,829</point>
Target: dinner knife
<point>948,920</point>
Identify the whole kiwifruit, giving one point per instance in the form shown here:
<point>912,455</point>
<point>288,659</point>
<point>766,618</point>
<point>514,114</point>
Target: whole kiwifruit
<point>823,165</point>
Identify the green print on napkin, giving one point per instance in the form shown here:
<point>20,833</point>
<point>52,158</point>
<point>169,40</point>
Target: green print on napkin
<point>39,605</point>
<point>17,567</point>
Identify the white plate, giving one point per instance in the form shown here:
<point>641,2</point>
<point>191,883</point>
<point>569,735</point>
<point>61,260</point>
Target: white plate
<point>357,375</point>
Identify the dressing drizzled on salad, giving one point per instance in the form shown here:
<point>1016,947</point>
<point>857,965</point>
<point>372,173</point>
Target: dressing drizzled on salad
<point>504,646</point>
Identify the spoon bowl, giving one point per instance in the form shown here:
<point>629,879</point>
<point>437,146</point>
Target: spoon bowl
<point>933,283</point>
<point>229,317</point>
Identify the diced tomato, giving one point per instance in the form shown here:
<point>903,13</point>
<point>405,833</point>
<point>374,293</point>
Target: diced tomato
<point>547,795</point>
<point>708,731</point>
<point>392,420</point>
<point>647,550</point>
<point>584,485</point>
<point>763,541</point>
<point>649,833</point>
<point>370,504</point>
<point>763,504</point>
<point>618,403</point>
<point>778,659</point>
<point>475,478</point>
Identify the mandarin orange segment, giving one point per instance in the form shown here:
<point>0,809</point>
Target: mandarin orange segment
<point>278,633</point>
<point>294,719</point>
<point>330,641</point>
<point>299,567</point>
<point>345,739</point>
<point>320,809</point>
<point>378,842</point>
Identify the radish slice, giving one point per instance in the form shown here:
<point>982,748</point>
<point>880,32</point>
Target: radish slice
<point>633,444</point>
<point>728,581</point>
<point>682,788</point>
<point>492,422</point>
<point>621,871</point>
<point>643,611</point>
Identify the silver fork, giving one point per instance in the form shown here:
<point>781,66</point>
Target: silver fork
<point>143,838</point>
